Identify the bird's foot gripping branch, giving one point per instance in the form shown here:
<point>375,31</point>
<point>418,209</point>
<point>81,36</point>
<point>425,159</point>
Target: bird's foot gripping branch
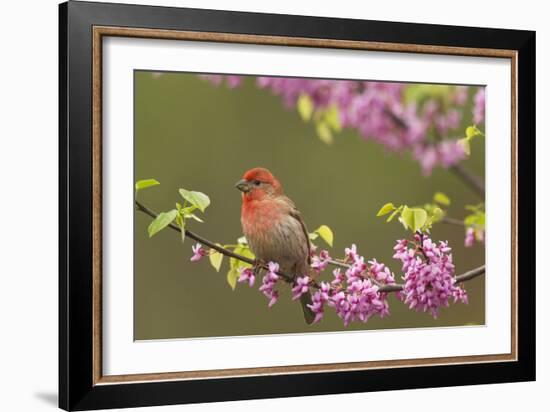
<point>357,288</point>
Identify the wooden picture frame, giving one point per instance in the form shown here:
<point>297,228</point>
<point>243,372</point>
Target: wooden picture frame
<point>83,26</point>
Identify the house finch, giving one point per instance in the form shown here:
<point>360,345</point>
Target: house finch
<point>274,228</point>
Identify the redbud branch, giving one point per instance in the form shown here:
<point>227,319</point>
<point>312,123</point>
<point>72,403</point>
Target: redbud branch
<point>211,245</point>
<point>289,278</point>
<point>472,180</point>
<point>452,221</point>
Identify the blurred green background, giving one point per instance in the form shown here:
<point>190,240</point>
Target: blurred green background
<point>191,134</point>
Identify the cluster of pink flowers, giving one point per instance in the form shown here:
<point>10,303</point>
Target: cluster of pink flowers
<point>353,294</point>
<point>268,283</point>
<point>318,300</point>
<point>429,281</point>
<point>378,111</point>
<point>320,262</point>
<point>359,300</point>
<point>428,274</point>
<point>300,287</point>
<point>479,106</point>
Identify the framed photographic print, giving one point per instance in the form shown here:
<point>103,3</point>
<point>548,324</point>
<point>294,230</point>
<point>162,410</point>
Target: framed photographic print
<point>257,205</point>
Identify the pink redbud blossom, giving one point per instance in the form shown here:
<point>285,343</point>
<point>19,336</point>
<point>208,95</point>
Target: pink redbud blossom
<point>339,277</point>
<point>268,283</point>
<point>247,275</point>
<point>319,298</point>
<point>198,252</point>
<point>301,287</point>
<point>320,262</point>
<point>351,253</point>
<point>469,239</point>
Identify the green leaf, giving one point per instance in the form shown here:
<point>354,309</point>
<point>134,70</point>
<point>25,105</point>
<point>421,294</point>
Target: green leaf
<point>242,250</point>
<point>216,259</point>
<point>465,144</point>
<point>476,219</point>
<point>471,132</point>
<point>305,107</point>
<point>242,240</point>
<point>469,220</point>
<point>313,236</point>
<point>232,276</point>
<point>161,221</point>
<point>384,210</point>
<point>474,208</point>
<point>142,184</point>
<point>188,210</point>
<point>437,214</point>
<point>326,234</point>
<point>198,199</point>
<point>324,133</point>
<point>442,199</point>
<point>395,212</point>
<point>481,219</point>
<point>414,218</point>
<point>332,118</point>
<point>194,216</point>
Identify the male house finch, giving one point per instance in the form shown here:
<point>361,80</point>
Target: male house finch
<point>274,228</point>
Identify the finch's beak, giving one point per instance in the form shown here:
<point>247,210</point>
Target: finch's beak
<point>243,185</point>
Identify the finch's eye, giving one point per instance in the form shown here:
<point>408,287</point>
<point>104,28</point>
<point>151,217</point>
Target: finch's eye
<point>257,183</point>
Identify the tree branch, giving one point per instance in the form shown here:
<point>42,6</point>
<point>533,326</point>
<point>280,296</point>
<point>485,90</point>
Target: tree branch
<point>473,181</point>
<point>452,221</point>
<point>288,277</point>
<point>206,242</point>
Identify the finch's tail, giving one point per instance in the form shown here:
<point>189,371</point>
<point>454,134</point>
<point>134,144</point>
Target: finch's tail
<point>305,300</point>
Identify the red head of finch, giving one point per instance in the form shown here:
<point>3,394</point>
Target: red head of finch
<point>273,227</point>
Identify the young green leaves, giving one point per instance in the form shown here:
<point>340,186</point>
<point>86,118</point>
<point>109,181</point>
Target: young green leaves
<point>164,218</point>
<point>417,219</point>
<point>197,199</point>
<point>235,265</point>
<point>471,133</point>
<point>324,232</point>
<point>327,120</point>
<point>305,107</point>
<point>161,221</point>
<point>414,218</point>
<point>143,184</point>
<point>476,218</point>
<point>216,259</point>
<point>192,201</point>
<point>442,199</point>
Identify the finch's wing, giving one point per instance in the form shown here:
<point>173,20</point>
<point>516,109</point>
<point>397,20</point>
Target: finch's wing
<point>295,213</point>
